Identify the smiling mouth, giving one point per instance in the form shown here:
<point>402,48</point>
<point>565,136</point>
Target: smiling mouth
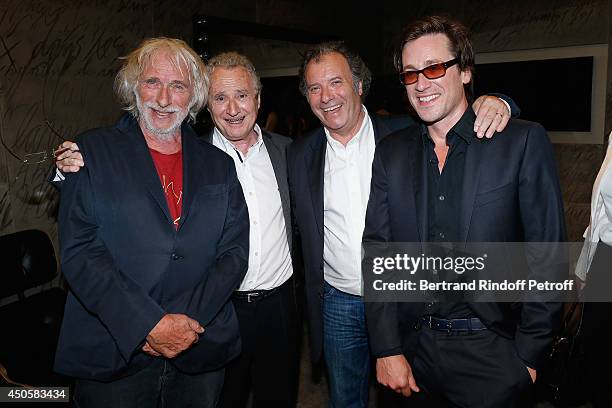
<point>425,99</point>
<point>332,108</point>
<point>163,113</point>
<point>235,121</point>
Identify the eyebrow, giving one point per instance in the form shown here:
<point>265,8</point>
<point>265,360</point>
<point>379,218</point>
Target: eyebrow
<point>178,81</point>
<point>427,63</point>
<point>175,81</point>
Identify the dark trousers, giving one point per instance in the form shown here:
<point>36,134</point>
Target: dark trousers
<point>478,369</point>
<point>597,328</point>
<point>268,364</point>
<point>158,385</point>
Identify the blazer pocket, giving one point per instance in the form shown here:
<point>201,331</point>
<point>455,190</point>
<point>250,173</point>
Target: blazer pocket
<point>493,195</point>
<point>209,190</point>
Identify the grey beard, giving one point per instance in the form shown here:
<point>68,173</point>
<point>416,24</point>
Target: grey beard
<point>163,135</point>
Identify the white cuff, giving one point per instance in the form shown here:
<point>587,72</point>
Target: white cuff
<point>59,176</point>
<point>507,105</point>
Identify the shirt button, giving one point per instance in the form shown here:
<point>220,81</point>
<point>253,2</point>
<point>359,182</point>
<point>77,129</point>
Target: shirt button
<point>254,222</point>
<point>250,193</point>
<point>441,198</point>
<point>256,253</point>
<point>441,235</point>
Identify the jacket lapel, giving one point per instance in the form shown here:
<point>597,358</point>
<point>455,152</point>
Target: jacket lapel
<point>471,177</point>
<point>379,127</point>
<point>279,166</point>
<point>315,166</point>
<point>138,152</point>
<point>192,173</point>
<point>419,180</point>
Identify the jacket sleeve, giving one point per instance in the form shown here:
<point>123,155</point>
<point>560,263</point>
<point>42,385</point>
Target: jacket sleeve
<point>381,317</point>
<point>541,207</point>
<point>122,306</point>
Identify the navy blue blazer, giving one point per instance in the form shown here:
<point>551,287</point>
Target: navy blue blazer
<point>127,265</point>
<point>511,193</point>
<point>306,160</point>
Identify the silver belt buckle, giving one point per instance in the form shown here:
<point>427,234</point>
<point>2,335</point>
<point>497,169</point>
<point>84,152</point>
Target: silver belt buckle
<point>251,297</point>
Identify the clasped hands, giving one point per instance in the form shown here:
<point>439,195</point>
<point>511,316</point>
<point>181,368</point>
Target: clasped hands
<point>172,335</point>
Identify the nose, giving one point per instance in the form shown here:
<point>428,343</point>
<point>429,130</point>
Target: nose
<point>422,82</point>
<point>326,95</point>
<point>232,107</point>
<point>164,97</point>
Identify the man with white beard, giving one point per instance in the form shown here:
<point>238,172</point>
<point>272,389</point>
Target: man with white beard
<point>154,237</point>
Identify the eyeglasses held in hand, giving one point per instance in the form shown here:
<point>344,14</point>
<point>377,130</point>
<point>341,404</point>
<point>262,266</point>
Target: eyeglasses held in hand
<point>434,71</point>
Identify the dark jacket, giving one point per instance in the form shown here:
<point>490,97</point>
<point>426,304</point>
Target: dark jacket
<point>510,193</point>
<point>127,265</point>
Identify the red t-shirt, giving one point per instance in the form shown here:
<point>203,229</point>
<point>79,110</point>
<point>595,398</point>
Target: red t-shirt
<point>170,171</point>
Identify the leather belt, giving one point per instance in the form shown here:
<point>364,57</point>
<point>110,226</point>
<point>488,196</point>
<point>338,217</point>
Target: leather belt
<point>251,296</point>
<point>451,325</point>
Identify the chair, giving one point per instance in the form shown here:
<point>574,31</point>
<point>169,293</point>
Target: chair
<point>30,325</point>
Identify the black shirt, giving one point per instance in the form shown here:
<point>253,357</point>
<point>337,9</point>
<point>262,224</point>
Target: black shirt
<point>443,205</point>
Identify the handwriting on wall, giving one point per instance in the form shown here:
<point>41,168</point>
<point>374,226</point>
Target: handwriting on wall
<point>57,63</point>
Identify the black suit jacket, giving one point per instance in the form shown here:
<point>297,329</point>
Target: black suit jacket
<point>306,167</point>
<point>127,265</point>
<point>511,193</point>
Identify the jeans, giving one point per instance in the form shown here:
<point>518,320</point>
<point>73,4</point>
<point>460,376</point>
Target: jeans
<point>159,385</point>
<point>346,349</point>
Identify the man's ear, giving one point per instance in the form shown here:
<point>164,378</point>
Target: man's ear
<point>258,100</point>
<point>466,76</point>
<point>360,88</point>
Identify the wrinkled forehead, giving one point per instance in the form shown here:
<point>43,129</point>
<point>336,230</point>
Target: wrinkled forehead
<point>235,76</point>
<point>331,64</point>
<point>165,59</point>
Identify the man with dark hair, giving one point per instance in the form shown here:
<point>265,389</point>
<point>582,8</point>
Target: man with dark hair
<point>436,182</point>
<point>153,241</point>
<point>329,173</point>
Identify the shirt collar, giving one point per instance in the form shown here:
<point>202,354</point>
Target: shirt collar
<point>221,142</point>
<point>364,128</point>
<point>464,128</point>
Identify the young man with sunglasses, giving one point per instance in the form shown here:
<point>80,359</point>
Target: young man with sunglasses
<point>436,182</point>
<point>329,173</point>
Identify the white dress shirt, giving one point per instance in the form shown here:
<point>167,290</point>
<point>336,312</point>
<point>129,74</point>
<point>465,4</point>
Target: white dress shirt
<point>600,225</point>
<point>346,189</point>
<point>269,257</point>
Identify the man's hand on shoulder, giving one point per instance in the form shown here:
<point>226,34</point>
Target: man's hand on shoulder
<point>68,158</point>
<point>492,115</point>
<point>395,372</point>
<point>172,335</point>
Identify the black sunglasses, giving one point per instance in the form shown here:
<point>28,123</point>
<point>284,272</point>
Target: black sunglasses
<point>431,72</point>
